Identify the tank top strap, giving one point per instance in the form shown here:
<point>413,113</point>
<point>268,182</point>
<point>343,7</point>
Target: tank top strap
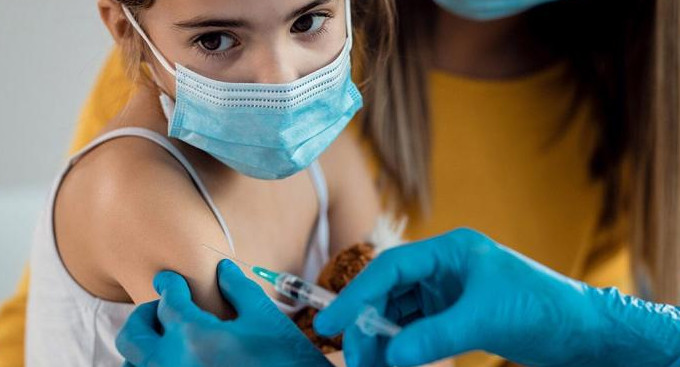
<point>320,185</point>
<point>167,145</point>
<point>322,235</point>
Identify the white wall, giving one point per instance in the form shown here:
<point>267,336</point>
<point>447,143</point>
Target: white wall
<point>50,51</point>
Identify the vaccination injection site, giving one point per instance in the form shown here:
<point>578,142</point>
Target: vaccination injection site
<point>282,183</point>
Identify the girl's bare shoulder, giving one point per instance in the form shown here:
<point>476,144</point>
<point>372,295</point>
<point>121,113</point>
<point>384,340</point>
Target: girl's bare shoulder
<point>126,210</point>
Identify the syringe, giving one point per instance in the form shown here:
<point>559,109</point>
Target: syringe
<point>369,320</point>
<point>295,288</point>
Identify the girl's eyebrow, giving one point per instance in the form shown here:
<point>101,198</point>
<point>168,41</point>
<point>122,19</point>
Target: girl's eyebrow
<point>205,22</point>
<point>307,8</point>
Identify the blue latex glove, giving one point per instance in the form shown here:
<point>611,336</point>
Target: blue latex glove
<point>466,293</point>
<point>260,335</point>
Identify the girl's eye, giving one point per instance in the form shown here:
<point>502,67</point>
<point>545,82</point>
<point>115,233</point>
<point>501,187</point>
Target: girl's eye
<point>309,23</point>
<point>216,42</point>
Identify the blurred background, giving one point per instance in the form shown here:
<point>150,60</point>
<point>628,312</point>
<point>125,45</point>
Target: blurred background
<point>51,51</point>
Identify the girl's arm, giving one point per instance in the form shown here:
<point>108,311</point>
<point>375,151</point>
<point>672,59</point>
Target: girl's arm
<point>128,210</point>
<point>354,201</point>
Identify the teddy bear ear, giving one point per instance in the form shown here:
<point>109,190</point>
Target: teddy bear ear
<point>388,232</point>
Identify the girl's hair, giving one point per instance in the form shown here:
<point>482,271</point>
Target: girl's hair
<point>624,56</point>
<point>396,115</point>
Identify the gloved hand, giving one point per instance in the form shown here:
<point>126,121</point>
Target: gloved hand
<point>468,293</point>
<point>260,335</point>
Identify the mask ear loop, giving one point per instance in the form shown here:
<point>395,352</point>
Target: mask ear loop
<point>157,54</point>
<point>348,22</point>
<point>166,102</point>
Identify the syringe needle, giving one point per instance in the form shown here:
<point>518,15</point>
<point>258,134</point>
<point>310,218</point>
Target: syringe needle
<point>227,256</point>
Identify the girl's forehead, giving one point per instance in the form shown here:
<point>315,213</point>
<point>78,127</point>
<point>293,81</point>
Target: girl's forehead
<point>243,11</point>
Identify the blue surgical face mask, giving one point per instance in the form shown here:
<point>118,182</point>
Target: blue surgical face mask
<point>266,131</point>
<point>485,10</point>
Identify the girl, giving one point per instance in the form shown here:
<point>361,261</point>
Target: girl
<point>251,94</point>
<point>553,130</point>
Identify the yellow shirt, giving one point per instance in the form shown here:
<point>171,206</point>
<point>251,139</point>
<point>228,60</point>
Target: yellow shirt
<point>505,163</point>
<point>494,168</point>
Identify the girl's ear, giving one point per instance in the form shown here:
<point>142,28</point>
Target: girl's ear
<point>113,17</point>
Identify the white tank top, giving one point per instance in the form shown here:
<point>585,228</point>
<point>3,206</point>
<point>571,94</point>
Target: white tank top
<point>67,326</point>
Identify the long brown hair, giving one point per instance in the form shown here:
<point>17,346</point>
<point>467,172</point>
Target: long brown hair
<point>396,116</point>
<point>657,244</point>
<point>624,56</point>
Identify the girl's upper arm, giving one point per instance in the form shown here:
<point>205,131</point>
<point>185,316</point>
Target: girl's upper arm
<point>354,200</point>
<point>141,216</point>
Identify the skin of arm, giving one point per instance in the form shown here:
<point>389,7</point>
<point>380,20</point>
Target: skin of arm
<point>354,204</point>
<point>123,219</point>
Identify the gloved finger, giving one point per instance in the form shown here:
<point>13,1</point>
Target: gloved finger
<point>244,294</point>
<point>175,303</point>
<point>405,307</point>
<point>365,350</point>
<point>138,338</point>
<point>433,338</point>
<point>361,350</point>
<point>394,268</point>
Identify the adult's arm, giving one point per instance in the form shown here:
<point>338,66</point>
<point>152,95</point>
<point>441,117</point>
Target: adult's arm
<point>466,292</point>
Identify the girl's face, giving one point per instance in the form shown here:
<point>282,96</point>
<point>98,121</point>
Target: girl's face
<point>246,41</point>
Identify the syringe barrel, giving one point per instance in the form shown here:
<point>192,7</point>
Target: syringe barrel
<point>305,292</point>
<point>369,321</point>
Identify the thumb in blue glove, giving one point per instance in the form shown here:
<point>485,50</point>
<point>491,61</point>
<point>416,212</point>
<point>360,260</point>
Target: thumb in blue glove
<point>470,293</point>
<point>176,332</point>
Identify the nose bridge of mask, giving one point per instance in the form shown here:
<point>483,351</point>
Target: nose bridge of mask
<point>172,70</point>
<point>281,97</point>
